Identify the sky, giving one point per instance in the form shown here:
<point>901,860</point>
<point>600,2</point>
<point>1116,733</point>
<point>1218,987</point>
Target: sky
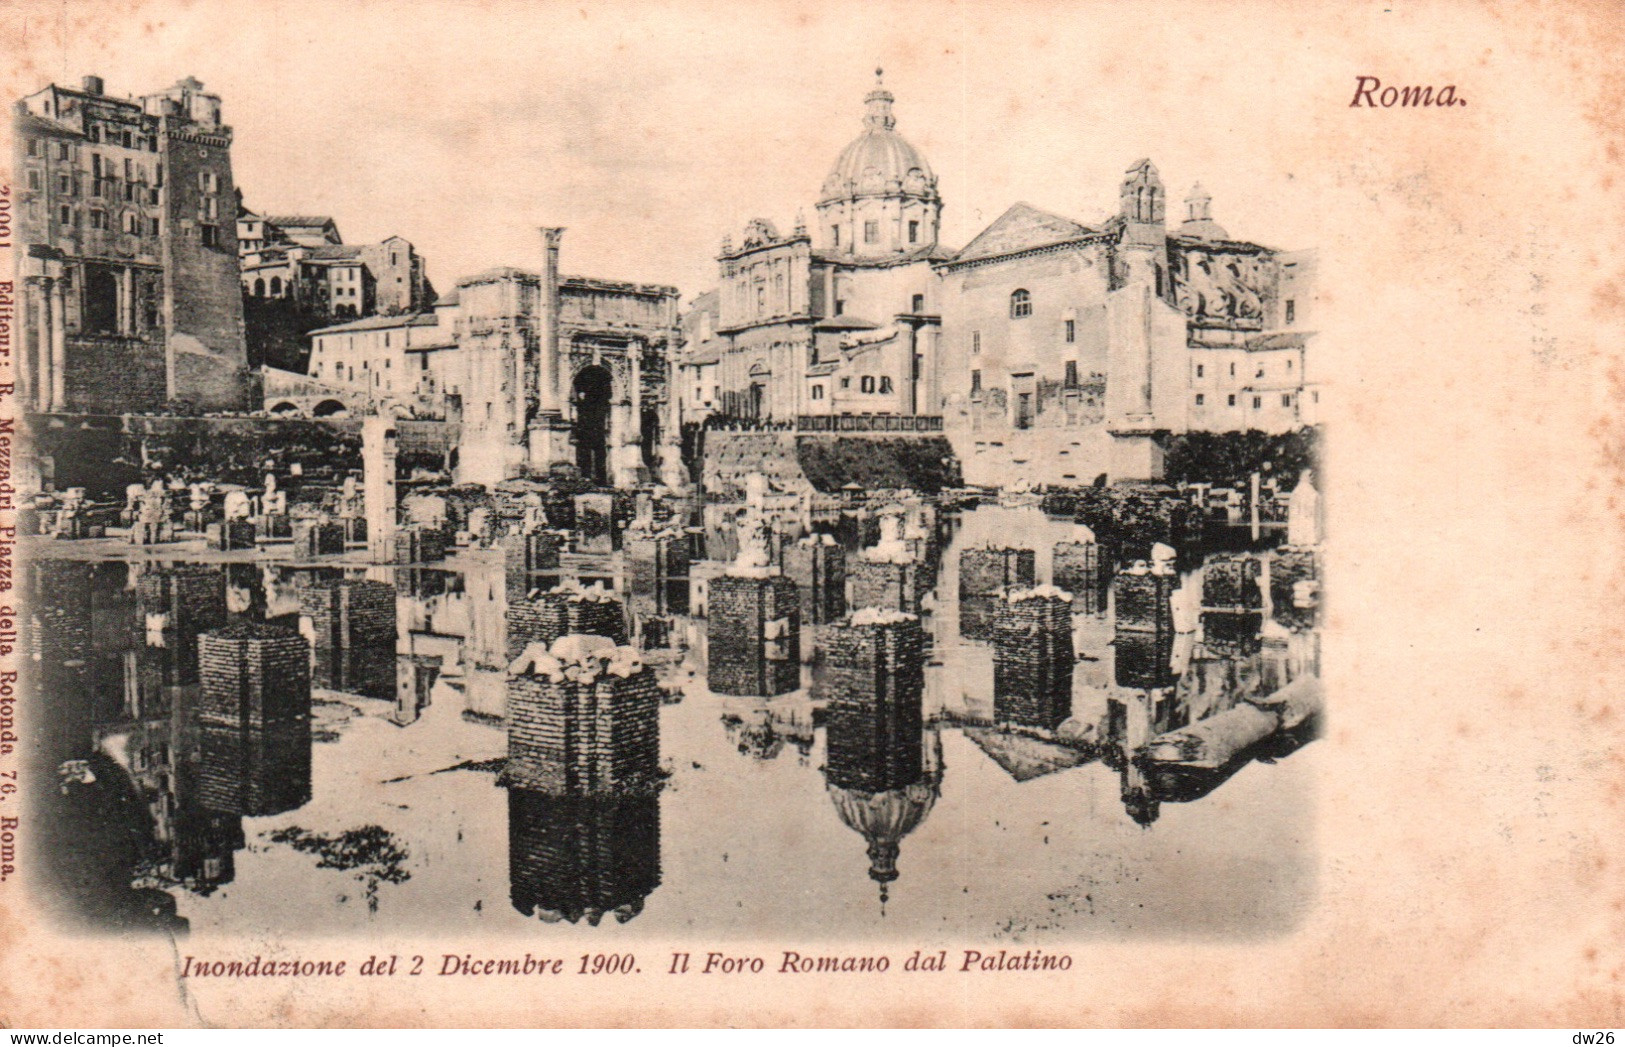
<point>652,131</point>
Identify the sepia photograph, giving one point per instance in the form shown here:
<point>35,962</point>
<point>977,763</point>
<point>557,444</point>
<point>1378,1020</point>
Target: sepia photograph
<point>853,508</point>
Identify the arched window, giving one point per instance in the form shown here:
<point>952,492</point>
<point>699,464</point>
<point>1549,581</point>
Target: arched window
<point>1021,303</point>
<point>259,287</point>
<point>276,287</point>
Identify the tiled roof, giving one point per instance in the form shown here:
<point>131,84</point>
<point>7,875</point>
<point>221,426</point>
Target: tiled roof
<point>286,220</point>
<point>374,323</point>
<point>845,323</point>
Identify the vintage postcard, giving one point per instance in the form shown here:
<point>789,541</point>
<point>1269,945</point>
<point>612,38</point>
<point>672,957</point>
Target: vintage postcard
<point>893,513</point>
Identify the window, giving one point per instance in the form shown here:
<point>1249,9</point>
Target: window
<point>975,343</point>
<point>132,222</point>
<point>33,180</point>
<point>259,290</point>
<point>1286,399</point>
<point>975,382</point>
<point>871,231</point>
<point>1230,401</point>
<point>98,219</point>
<point>835,235</point>
<point>65,215</point>
<point>33,147</point>
<point>818,392</point>
<point>211,235</point>
<point>867,383</point>
<point>1071,331</point>
<point>96,165</point>
<point>1071,376</point>
<point>65,183</point>
<point>1289,364</point>
<point>1258,401</point>
<point>1198,370</point>
<point>914,232</point>
<point>885,384</point>
<point>840,306</point>
<point>1232,370</point>
<point>276,286</point>
<point>1021,303</point>
<point>1291,311</point>
<point>129,170</point>
<point>64,151</point>
<point>1200,399</point>
<point>153,226</point>
<point>129,192</point>
<point>917,305</point>
<point>846,383</point>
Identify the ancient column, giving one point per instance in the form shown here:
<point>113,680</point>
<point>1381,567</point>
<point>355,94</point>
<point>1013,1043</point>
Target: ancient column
<point>59,349</point>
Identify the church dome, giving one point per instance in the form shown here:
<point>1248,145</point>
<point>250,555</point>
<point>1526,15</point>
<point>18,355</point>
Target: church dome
<point>880,161</point>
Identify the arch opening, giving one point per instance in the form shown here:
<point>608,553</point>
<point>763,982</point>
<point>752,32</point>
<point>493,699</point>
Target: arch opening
<point>591,395</point>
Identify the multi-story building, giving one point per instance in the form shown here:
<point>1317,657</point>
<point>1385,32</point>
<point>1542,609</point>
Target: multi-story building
<point>382,358</point>
<point>129,267</point>
<point>839,317</point>
<point>304,260</point>
<point>699,389</point>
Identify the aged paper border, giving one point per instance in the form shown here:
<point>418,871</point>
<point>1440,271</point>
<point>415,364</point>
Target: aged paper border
<point>1471,802</point>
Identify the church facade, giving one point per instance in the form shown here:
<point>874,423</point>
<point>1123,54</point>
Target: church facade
<point>836,317</point>
<point>1051,350</point>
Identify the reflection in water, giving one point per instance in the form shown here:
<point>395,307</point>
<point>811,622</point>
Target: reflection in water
<point>583,774</point>
<point>877,772</point>
<point>162,779</point>
<point>583,855</point>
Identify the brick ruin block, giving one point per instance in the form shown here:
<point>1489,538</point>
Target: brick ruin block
<point>817,564</point>
<point>875,683</point>
<point>887,585</point>
<point>993,571</point>
<point>317,538</point>
<point>657,569</point>
<point>355,530</point>
<point>754,636</point>
<point>584,717</point>
<point>563,611</point>
<point>350,612</point>
<point>1076,568</point>
<point>976,616</point>
<point>1033,659</point>
<point>253,674</point>
<point>230,535</point>
<point>273,526</point>
<point>1231,634</point>
<point>598,520</point>
<point>1142,602</point>
<point>366,671</point>
<point>1143,660</point>
<point>532,562</point>
<point>532,551</point>
<point>420,543</point>
<point>1232,584</point>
